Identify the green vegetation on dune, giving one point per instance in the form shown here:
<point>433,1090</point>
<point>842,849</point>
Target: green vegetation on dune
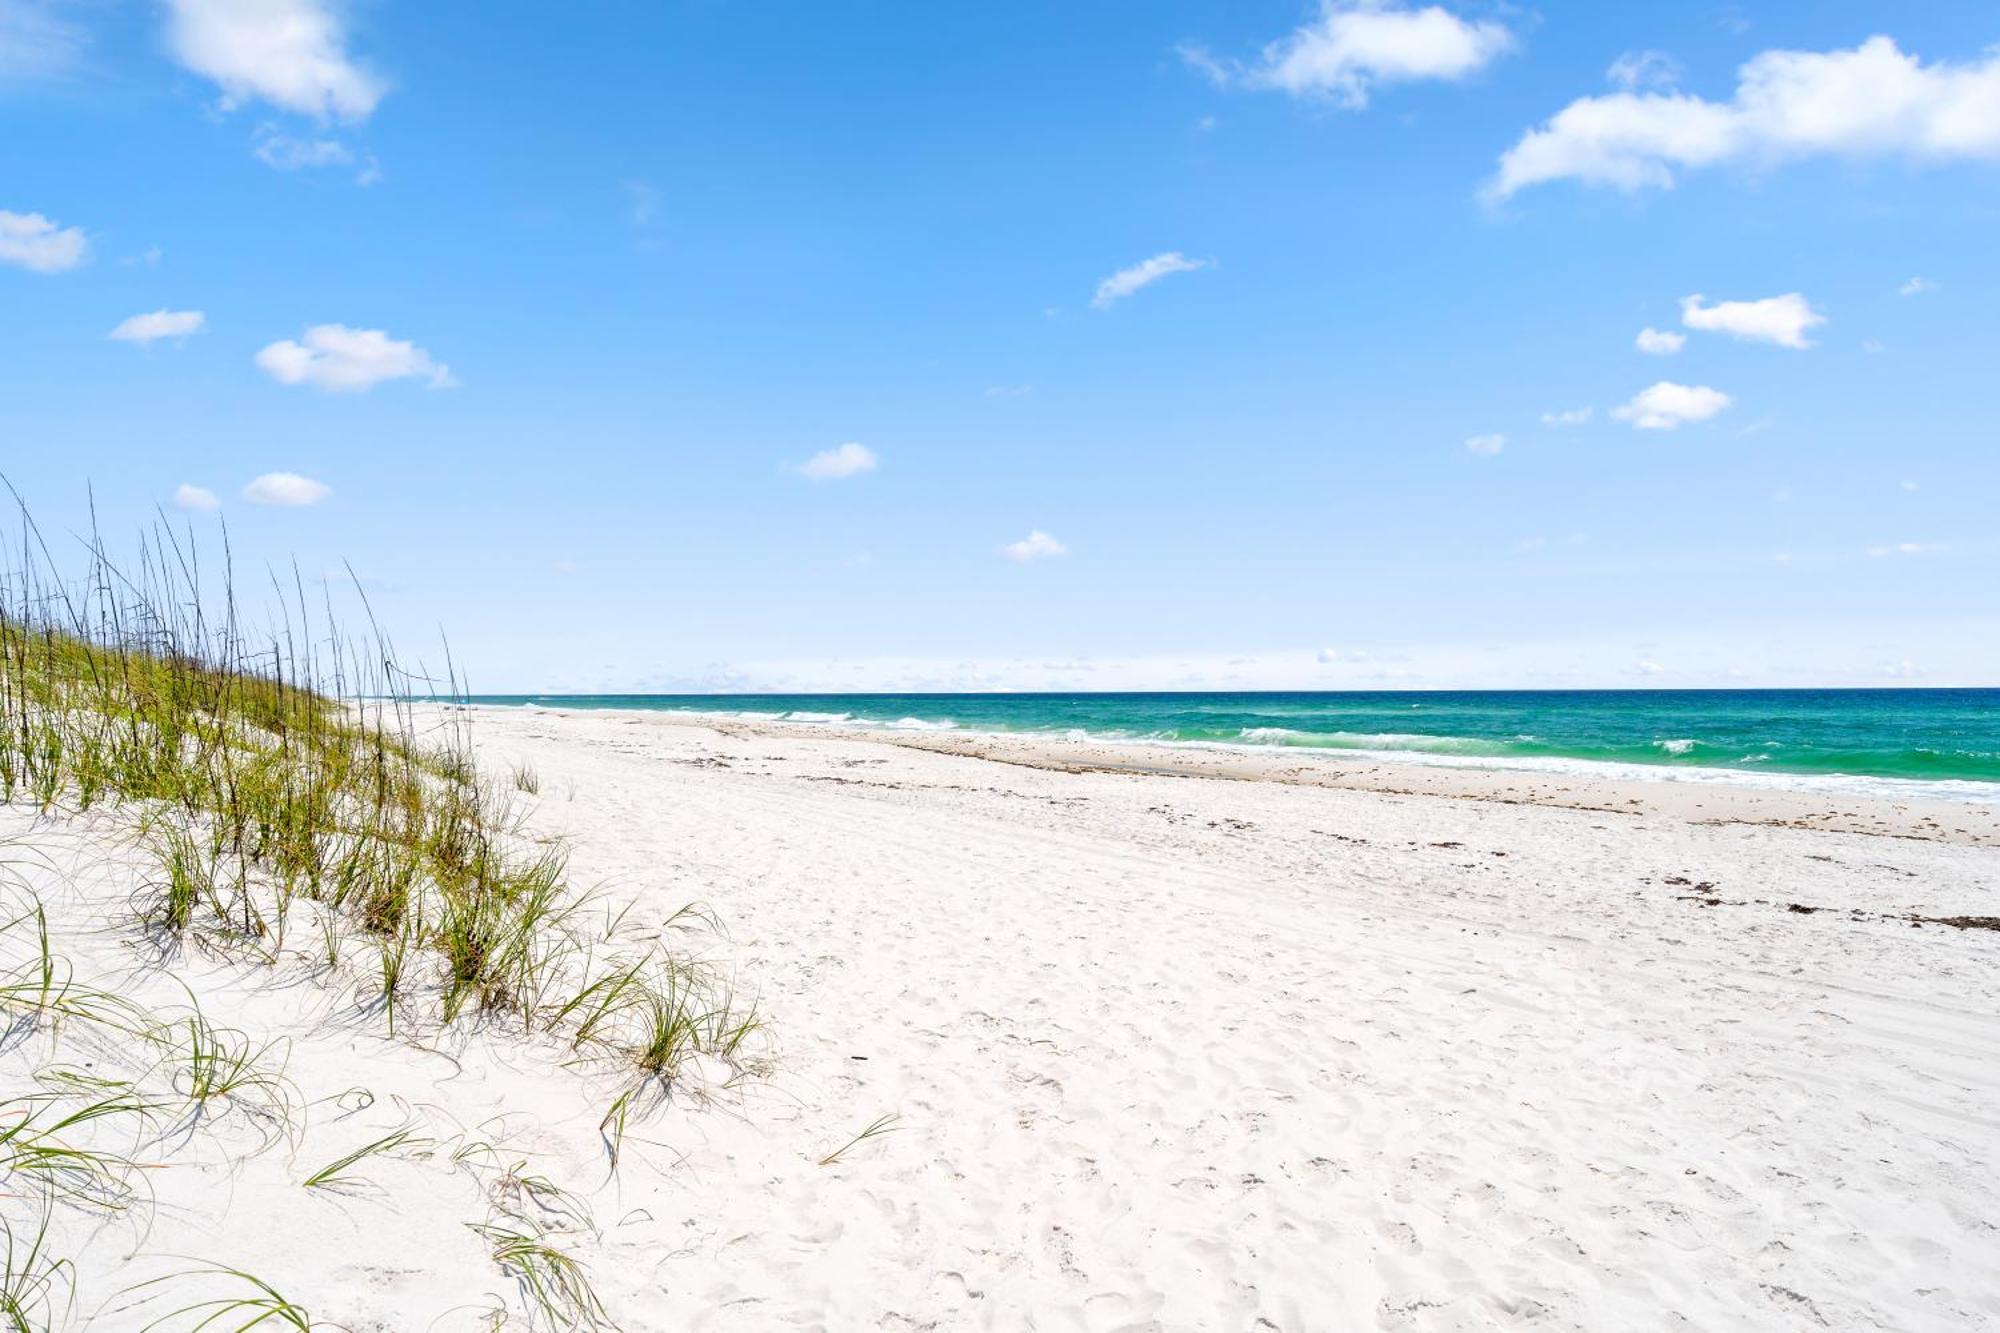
<point>281,791</point>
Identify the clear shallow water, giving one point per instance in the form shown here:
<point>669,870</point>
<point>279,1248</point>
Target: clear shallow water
<point>1937,743</point>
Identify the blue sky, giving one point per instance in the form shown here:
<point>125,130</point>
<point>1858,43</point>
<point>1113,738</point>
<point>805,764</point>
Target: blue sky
<point>541,323</point>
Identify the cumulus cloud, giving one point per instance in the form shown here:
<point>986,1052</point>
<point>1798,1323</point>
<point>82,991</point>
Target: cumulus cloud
<point>1037,545</point>
<point>1142,274</point>
<point>1485,446</point>
<point>196,498</point>
<point>286,488</point>
<point>1872,101</point>
<point>159,324</point>
<point>1355,45</point>
<point>848,460</point>
<point>339,359</point>
<point>1775,319</point>
<point>39,245</point>
<point>1916,287</point>
<point>290,53</point>
<point>1574,416</point>
<point>1327,656</point>
<point>1657,342</point>
<point>1666,405</point>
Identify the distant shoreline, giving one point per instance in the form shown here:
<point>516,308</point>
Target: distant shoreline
<point>1945,749</point>
<point>1671,793</point>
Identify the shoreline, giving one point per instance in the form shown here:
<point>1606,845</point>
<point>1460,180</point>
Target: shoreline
<point>1739,799</point>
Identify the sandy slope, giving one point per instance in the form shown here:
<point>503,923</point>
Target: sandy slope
<point>1173,1052</point>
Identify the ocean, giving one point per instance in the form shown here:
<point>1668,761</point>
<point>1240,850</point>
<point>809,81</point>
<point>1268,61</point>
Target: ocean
<point>1930,743</point>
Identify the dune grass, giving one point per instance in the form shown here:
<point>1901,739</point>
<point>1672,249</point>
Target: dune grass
<point>264,769</point>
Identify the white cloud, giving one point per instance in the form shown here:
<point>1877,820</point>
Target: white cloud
<point>1775,319</point>
<point>1900,548</point>
<point>1872,101</point>
<point>1916,287</point>
<point>1644,69</point>
<point>848,460</point>
<point>344,360</point>
<point>1355,45</point>
<point>1647,668</point>
<point>1485,446</point>
<point>1907,485</point>
<point>159,324</point>
<point>40,245</point>
<point>1655,342</point>
<point>37,42</point>
<point>198,498</point>
<point>1666,405</point>
<point>1037,545</point>
<point>1128,280</point>
<point>291,53</point>
<point>286,153</point>
<point>286,488</point>
<point>1575,416</point>
<point>1326,656</point>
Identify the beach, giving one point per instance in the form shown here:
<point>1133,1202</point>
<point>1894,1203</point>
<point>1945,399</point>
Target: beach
<point>1159,1040</point>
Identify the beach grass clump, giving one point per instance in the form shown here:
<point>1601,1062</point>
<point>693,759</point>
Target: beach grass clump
<point>265,768</point>
<point>270,776</point>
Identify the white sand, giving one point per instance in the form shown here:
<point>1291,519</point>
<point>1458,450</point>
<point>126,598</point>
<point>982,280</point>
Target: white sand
<point>1170,1051</point>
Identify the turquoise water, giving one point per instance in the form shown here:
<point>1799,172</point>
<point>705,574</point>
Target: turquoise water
<point>1917,742</point>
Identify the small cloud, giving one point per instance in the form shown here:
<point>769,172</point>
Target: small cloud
<point>1903,670</point>
<point>1667,406</point>
<point>196,498</point>
<point>159,324</point>
<point>1916,287</point>
<point>1356,45</point>
<point>1531,543</point>
<point>150,256</point>
<point>340,359</point>
<point>285,153</point>
<point>1782,320</point>
<point>1575,416</point>
<point>286,488</point>
<point>1205,125</point>
<point>1874,346</point>
<point>1906,485</point>
<point>40,245</point>
<point>1900,548</point>
<point>1644,69</point>
<point>1142,274</point>
<point>565,567</point>
<point>1327,656</point>
<point>1647,668</point>
<point>848,460</point>
<point>1657,342</point>
<point>1485,446</point>
<point>1037,545</point>
<point>290,53</point>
